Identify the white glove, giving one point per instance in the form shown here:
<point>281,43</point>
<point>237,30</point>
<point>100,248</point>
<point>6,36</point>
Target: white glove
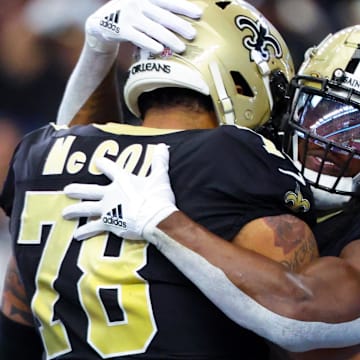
<point>148,24</point>
<point>126,205</point>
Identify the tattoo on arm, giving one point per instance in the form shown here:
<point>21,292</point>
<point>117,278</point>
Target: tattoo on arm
<point>295,239</point>
<point>14,301</point>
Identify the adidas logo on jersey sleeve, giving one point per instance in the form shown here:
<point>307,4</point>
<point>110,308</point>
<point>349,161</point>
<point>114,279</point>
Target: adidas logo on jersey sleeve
<point>114,217</point>
<point>110,22</point>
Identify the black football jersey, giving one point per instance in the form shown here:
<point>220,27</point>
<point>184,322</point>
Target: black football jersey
<point>118,299</point>
<point>335,231</point>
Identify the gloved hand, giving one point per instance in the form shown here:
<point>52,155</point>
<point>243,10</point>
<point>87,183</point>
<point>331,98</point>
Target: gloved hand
<point>148,24</point>
<point>126,205</point>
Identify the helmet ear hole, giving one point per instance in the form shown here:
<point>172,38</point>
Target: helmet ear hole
<point>242,86</point>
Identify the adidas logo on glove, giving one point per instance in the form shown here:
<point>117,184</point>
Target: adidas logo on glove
<point>110,22</point>
<point>114,217</point>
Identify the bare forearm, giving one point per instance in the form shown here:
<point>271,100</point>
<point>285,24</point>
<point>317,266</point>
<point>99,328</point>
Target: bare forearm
<point>350,353</point>
<point>266,281</point>
<point>311,294</point>
<point>14,303</point>
<point>18,336</point>
<point>208,263</point>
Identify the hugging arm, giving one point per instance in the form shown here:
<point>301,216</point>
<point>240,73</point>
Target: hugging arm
<point>312,296</point>
<point>92,93</point>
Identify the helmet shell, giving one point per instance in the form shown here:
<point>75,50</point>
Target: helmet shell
<point>233,58</point>
<point>325,111</point>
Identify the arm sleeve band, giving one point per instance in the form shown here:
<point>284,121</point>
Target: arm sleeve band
<point>290,334</point>
<point>18,341</point>
<point>93,65</point>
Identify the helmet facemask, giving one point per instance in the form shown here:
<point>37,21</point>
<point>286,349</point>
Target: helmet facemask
<point>322,125</point>
<point>323,134</point>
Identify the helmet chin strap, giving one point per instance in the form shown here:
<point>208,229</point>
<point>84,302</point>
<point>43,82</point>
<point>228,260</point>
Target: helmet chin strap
<point>325,200</point>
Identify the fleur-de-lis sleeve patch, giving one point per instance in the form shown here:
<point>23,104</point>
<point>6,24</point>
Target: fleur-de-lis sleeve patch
<point>296,202</point>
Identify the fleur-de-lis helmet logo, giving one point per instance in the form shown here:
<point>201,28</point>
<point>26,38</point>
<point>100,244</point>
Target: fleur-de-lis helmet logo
<point>296,202</point>
<point>260,40</point>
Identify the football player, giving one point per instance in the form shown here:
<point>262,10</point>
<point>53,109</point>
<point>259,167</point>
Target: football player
<point>116,298</point>
<point>322,134</point>
<point>313,294</point>
<point>144,23</point>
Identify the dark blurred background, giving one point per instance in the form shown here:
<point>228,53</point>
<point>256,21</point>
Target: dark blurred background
<point>40,41</point>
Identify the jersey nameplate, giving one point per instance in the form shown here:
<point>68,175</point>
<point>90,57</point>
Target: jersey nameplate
<point>63,160</point>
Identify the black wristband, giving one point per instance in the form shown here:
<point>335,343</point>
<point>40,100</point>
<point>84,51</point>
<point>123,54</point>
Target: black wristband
<point>18,341</point>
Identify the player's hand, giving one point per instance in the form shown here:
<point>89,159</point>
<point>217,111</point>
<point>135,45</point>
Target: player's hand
<point>148,24</point>
<point>128,203</point>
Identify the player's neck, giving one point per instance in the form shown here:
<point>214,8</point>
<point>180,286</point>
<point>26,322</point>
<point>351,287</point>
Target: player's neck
<point>180,119</point>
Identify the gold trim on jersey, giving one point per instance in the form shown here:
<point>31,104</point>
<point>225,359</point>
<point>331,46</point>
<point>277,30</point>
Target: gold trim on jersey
<point>125,129</point>
<point>320,219</point>
<point>58,127</point>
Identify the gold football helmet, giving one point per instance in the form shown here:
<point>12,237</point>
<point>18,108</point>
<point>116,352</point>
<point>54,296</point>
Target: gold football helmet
<point>238,58</point>
<point>323,129</point>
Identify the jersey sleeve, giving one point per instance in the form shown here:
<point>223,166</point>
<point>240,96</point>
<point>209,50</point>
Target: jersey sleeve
<point>265,181</point>
<point>7,192</point>
<point>18,164</point>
